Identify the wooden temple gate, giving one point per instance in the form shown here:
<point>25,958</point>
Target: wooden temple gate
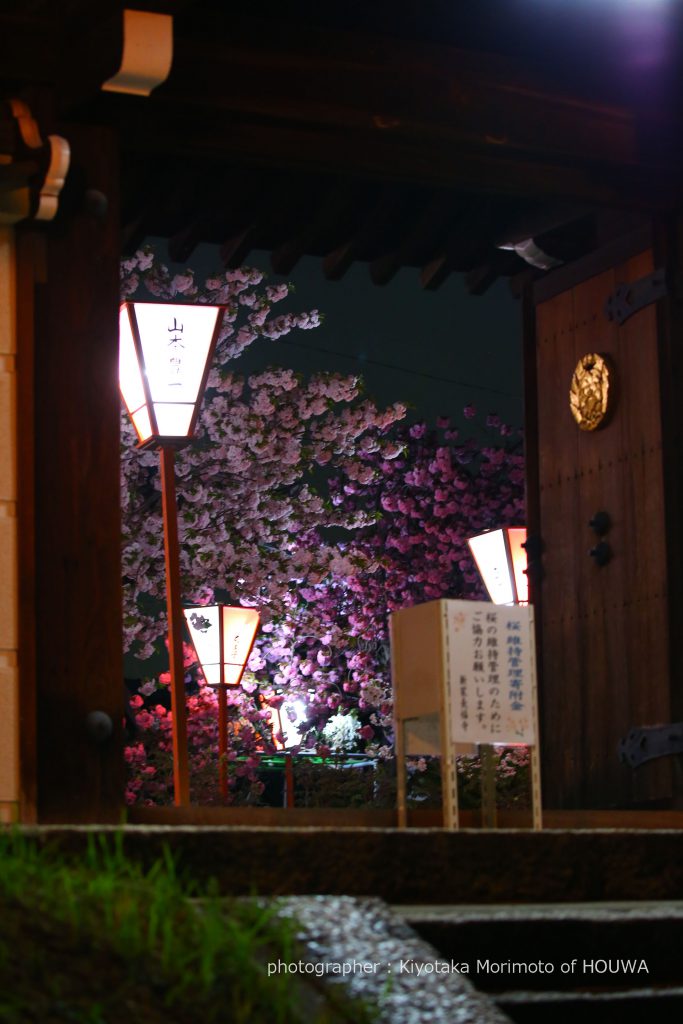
<point>605,590</point>
<point>404,148</point>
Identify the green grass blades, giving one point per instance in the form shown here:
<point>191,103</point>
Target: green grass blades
<point>101,939</point>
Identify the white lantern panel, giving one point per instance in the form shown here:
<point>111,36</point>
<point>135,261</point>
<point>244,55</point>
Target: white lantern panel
<point>130,379</point>
<point>490,554</point>
<point>173,420</point>
<point>175,342</point>
<point>142,424</point>
<point>239,630</point>
<point>203,626</point>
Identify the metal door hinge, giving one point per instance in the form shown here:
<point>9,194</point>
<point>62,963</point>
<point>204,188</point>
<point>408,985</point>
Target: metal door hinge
<point>627,299</point>
<point>649,742</point>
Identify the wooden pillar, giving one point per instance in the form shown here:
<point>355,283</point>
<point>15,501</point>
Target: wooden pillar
<point>69,518</point>
<point>9,673</point>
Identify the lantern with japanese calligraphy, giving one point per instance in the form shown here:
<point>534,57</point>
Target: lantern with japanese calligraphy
<point>165,352</point>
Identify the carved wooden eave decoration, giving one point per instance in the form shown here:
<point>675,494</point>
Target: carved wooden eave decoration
<point>32,169</point>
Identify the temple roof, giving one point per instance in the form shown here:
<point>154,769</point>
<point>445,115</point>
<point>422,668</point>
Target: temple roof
<point>470,138</point>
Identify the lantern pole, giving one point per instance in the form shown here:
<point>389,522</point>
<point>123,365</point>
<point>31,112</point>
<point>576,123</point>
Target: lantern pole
<point>181,776</point>
<point>223,739</point>
<point>222,712</point>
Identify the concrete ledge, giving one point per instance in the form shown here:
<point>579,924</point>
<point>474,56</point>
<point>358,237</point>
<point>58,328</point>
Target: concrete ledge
<point>372,817</point>
<point>414,865</point>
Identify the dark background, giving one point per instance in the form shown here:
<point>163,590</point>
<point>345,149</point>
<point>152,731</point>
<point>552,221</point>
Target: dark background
<point>438,351</point>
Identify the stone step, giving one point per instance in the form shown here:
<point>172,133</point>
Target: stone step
<point>557,947</point>
<point>361,944</point>
<point>413,865</point>
<point>627,1007</point>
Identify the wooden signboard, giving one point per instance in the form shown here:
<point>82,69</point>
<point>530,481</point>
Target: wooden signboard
<point>464,675</point>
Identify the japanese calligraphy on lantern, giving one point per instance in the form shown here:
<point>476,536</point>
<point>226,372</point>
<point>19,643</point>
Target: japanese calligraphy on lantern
<point>176,351</point>
<point>492,676</point>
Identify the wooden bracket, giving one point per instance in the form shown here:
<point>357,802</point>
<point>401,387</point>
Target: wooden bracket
<point>21,201</point>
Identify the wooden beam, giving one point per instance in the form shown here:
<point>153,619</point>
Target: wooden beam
<point>235,250</point>
<point>423,156</point>
<point>480,279</point>
<point>352,79</point>
<point>347,91</point>
<point>538,219</point>
<point>336,263</point>
<point>350,102</point>
<point>524,280</point>
<point>133,234</point>
<point>500,264</point>
<point>183,243</point>
<point>204,201</point>
<point>467,243</point>
<point>33,44</point>
<point>422,237</point>
<point>336,208</point>
<point>384,212</point>
<point>434,273</point>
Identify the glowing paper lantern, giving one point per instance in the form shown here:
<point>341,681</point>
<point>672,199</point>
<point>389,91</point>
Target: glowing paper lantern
<point>502,562</point>
<point>223,637</point>
<point>165,351</point>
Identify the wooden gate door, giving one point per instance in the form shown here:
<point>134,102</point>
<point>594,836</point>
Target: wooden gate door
<point>604,630</point>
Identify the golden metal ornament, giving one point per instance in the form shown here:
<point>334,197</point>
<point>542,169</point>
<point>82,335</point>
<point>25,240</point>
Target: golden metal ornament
<point>589,391</point>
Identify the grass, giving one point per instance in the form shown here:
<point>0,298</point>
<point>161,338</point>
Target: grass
<point>101,940</point>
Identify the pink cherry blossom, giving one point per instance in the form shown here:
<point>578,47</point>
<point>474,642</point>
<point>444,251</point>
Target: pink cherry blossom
<point>325,555</point>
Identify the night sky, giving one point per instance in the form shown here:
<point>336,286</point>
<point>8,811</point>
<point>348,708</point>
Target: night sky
<point>437,351</point>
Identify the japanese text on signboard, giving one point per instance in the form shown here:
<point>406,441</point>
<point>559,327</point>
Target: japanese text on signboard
<point>491,673</point>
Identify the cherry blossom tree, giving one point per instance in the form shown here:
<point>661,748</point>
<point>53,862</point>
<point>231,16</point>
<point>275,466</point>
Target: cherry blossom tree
<point>425,502</point>
<point>302,498</point>
<point>253,506</point>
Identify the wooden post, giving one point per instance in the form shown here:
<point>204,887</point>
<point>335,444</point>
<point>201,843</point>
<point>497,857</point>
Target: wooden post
<point>181,778</point>
<point>289,780</point>
<point>488,785</point>
<point>401,786</point>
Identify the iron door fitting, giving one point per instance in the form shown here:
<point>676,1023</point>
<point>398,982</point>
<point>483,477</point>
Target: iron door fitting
<point>627,299</point>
